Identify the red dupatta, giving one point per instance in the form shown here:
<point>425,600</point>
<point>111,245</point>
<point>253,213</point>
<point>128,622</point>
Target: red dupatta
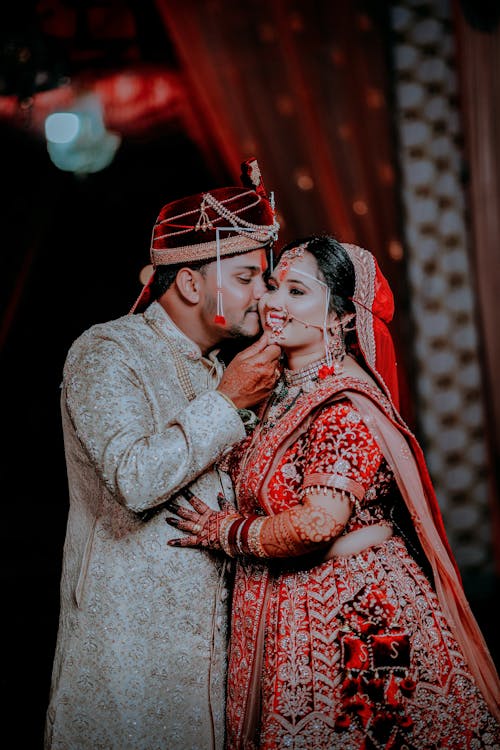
<point>374,304</point>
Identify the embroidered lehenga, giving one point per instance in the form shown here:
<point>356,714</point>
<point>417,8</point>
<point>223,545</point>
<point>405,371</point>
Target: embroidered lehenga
<point>377,649</point>
<point>354,652</point>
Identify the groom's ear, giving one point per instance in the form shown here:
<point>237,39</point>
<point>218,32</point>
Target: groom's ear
<point>189,285</point>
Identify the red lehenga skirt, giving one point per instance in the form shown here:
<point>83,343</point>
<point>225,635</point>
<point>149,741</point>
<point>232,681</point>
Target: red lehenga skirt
<point>352,654</point>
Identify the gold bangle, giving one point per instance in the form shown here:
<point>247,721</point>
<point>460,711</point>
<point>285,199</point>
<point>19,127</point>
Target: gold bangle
<point>253,540</point>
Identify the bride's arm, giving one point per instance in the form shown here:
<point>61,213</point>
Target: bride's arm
<point>341,460</point>
<point>300,530</point>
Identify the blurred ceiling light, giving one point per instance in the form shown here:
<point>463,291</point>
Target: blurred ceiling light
<point>77,140</point>
<point>62,127</point>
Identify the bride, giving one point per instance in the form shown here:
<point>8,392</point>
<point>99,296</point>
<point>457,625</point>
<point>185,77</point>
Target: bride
<point>350,627</point>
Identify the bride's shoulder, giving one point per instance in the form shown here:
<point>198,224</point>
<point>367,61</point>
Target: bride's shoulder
<point>353,369</point>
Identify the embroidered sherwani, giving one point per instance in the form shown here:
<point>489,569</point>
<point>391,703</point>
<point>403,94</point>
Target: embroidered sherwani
<point>353,652</point>
<point>140,659</point>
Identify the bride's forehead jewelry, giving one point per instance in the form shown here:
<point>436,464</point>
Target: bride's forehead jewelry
<point>288,257</point>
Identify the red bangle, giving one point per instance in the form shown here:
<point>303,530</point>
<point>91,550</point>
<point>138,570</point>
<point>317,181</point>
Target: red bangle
<point>231,537</point>
<point>243,540</point>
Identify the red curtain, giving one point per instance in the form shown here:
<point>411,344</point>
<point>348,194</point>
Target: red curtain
<point>304,87</point>
<point>479,60</point>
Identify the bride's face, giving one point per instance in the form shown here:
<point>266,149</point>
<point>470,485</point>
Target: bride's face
<point>294,306</point>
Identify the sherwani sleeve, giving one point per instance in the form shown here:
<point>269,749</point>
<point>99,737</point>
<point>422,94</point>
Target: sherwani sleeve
<point>141,460</point>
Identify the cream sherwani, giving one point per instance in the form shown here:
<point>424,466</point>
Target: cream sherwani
<point>141,650</point>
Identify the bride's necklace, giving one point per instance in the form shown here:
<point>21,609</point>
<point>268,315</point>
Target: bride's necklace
<point>282,400</point>
<point>291,386</point>
<point>311,376</point>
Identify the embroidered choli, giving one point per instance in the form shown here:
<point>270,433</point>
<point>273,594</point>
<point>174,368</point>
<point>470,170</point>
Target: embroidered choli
<point>337,451</point>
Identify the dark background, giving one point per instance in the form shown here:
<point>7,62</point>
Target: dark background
<point>72,249</point>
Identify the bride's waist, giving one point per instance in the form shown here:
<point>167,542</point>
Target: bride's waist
<point>356,541</point>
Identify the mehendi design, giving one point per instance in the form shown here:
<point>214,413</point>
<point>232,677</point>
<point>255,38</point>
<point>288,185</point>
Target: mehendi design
<point>206,528</point>
<point>315,525</point>
<point>298,531</point>
<point>294,532</point>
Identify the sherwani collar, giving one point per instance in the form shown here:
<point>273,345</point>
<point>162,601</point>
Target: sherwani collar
<point>162,321</point>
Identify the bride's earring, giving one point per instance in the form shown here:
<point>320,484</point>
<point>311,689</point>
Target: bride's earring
<point>336,346</point>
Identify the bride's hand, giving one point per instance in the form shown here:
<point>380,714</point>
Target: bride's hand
<point>202,523</point>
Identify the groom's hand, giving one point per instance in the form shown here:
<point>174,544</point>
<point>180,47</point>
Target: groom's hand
<point>251,376</point>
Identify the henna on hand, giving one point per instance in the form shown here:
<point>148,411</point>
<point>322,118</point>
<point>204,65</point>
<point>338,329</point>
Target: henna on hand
<point>204,525</point>
<point>291,533</point>
<point>297,531</point>
<point>251,375</point>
